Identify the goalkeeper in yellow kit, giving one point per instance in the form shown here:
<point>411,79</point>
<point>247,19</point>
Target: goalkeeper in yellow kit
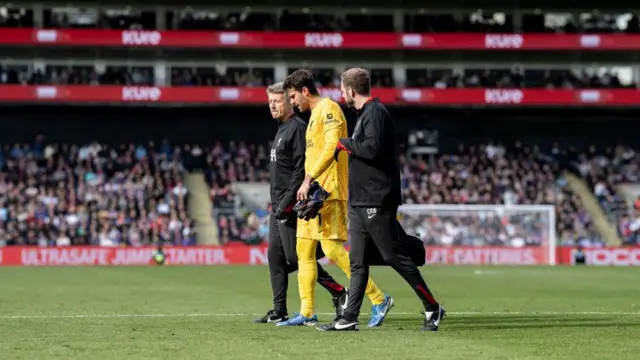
<point>326,126</point>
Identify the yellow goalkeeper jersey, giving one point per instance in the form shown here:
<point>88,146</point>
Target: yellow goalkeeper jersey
<point>326,126</point>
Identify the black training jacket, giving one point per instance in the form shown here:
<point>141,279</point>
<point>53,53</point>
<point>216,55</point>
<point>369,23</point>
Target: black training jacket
<point>374,172</point>
<point>286,167</point>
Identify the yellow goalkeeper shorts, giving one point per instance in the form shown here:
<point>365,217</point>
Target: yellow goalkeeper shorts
<point>330,224</point>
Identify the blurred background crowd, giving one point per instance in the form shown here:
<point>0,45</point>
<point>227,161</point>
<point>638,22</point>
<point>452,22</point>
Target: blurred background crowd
<point>133,194</point>
<point>590,78</point>
<point>485,174</point>
<point>68,194</point>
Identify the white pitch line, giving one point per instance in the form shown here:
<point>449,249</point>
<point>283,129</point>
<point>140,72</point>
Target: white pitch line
<point>461,313</point>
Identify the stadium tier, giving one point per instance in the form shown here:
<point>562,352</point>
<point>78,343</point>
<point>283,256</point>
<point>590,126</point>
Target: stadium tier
<point>219,55</point>
<point>476,173</point>
<point>434,65</point>
<point>139,143</point>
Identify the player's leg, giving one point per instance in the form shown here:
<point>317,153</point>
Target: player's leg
<point>339,293</point>
<point>326,280</point>
<point>279,275</point>
<point>288,238</point>
<point>335,250</point>
<point>382,227</point>
<point>307,277</point>
<point>307,274</point>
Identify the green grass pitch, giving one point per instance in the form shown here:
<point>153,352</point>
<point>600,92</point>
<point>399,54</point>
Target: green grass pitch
<point>205,313</point>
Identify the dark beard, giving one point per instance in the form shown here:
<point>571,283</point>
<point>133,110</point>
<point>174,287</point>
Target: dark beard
<point>351,104</point>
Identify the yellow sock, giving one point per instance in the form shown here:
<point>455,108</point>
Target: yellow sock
<point>307,274</point>
<point>334,249</point>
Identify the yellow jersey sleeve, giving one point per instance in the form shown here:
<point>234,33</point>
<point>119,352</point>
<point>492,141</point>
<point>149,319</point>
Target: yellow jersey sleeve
<point>334,126</point>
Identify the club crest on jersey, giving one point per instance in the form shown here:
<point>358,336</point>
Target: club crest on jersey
<point>309,143</point>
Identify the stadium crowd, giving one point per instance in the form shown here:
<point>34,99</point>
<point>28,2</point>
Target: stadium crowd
<point>76,75</point>
<point>489,174</point>
<point>493,174</point>
<point>260,77</point>
<point>520,78</point>
<point>604,171</point>
<point>303,20</point>
<point>62,194</point>
<point>237,161</point>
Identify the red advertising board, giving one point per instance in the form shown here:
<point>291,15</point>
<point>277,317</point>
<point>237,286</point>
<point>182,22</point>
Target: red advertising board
<point>256,95</point>
<point>618,256</point>
<point>318,40</point>
<point>257,255</point>
<point>89,256</point>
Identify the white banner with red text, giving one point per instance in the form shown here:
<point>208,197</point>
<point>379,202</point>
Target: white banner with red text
<point>257,255</point>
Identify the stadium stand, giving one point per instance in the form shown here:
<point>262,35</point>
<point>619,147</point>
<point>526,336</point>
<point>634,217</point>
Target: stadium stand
<point>133,194</point>
<point>134,183</point>
<point>246,20</point>
<point>483,173</point>
<point>486,174</point>
<point>92,194</point>
<point>605,171</point>
<point>585,78</point>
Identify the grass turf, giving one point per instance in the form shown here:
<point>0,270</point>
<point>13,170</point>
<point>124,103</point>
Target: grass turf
<point>205,313</point>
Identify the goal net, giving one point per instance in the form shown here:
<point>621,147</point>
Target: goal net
<point>484,234</point>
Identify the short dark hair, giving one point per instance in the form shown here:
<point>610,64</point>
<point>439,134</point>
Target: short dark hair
<point>358,79</point>
<point>299,79</point>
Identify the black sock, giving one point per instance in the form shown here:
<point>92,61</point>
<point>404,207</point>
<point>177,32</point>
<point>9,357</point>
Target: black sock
<point>350,317</point>
<point>431,307</point>
<point>280,311</point>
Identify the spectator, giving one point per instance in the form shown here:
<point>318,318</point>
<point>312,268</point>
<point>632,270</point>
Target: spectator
<point>91,195</point>
<point>491,174</point>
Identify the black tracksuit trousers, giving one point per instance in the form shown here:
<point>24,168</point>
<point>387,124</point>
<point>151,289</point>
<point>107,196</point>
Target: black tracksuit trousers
<point>378,227</point>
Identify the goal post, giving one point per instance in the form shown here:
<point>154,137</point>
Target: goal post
<point>484,234</point>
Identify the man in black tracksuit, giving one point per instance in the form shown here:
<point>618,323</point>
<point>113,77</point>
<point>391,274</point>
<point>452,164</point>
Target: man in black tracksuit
<point>286,172</point>
<point>374,197</point>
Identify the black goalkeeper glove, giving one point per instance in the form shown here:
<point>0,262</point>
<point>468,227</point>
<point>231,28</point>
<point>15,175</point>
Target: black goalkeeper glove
<point>299,207</point>
<point>309,209</point>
